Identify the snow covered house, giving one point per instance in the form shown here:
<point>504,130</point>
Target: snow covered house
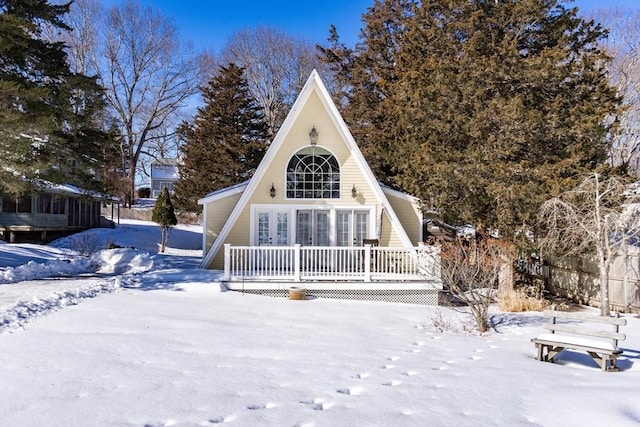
<point>313,215</point>
<point>50,211</point>
<point>164,173</point>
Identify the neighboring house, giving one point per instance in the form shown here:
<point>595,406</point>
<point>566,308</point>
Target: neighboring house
<point>314,214</point>
<point>164,173</point>
<point>48,212</point>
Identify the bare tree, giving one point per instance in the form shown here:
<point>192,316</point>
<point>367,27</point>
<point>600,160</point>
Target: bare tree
<point>595,216</point>
<point>470,271</point>
<point>81,42</point>
<point>148,74</point>
<point>623,45</point>
<point>276,67</point>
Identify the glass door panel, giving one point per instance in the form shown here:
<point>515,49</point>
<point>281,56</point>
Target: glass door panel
<point>264,234</point>
<point>321,226</point>
<point>343,230</point>
<point>303,228</point>
<point>282,228</point>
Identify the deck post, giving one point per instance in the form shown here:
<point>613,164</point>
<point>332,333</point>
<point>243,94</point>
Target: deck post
<point>227,262</point>
<point>296,262</point>
<point>367,263</point>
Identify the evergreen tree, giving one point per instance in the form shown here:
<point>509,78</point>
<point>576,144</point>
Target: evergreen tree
<point>47,113</point>
<point>363,76</point>
<point>224,143</point>
<point>484,108</point>
<point>164,215</point>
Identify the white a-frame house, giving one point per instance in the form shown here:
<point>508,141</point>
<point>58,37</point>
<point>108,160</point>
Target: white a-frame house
<point>314,213</point>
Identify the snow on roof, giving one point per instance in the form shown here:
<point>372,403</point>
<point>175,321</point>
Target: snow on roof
<point>71,189</point>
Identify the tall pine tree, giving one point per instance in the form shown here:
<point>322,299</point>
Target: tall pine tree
<point>47,112</point>
<point>489,106</point>
<point>364,74</point>
<point>224,143</point>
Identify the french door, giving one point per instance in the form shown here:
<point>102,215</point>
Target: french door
<point>313,228</point>
<point>352,227</point>
<point>273,228</point>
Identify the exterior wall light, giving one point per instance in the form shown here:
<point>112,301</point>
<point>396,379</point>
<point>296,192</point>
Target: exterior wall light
<point>354,192</point>
<point>272,191</point>
<point>313,136</point>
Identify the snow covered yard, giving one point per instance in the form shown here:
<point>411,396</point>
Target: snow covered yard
<point>166,346</point>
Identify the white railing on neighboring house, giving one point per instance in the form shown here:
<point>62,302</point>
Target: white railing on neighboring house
<point>305,263</point>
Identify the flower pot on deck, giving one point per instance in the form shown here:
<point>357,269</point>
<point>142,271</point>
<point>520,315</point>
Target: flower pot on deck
<point>297,293</point>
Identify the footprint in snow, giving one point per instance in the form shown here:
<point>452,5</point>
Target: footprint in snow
<point>351,391</point>
<point>410,373</point>
<point>167,423</point>
<point>363,375</point>
<point>322,406</point>
<point>267,405</point>
<point>393,358</point>
<point>220,420</point>
<point>475,358</point>
<point>392,383</point>
<point>318,404</point>
<point>387,366</point>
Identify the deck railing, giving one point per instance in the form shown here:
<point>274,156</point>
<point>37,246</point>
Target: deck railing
<point>304,263</point>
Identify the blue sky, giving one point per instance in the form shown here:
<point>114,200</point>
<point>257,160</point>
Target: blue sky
<point>209,23</point>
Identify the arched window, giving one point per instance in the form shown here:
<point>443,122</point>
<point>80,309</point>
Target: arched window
<point>313,173</point>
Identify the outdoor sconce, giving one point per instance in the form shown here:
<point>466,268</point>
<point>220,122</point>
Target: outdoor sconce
<point>354,192</point>
<point>313,136</point>
<point>272,192</point>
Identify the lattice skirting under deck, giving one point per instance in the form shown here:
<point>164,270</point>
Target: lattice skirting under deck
<point>409,296</point>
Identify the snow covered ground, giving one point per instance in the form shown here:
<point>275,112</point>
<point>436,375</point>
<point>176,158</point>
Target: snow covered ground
<point>130,337</point>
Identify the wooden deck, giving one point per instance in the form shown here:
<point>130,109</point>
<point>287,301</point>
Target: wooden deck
<point>331,270</point>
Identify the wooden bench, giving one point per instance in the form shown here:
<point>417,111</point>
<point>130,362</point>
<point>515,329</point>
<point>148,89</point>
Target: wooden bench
<point>581,331</point>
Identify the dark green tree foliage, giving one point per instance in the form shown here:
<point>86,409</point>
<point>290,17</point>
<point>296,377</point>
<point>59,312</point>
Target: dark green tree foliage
<point>164,215</point>
<point>224,143</point>
<point>482,108</point>
<point>364,75</point>
<point>46,111</point>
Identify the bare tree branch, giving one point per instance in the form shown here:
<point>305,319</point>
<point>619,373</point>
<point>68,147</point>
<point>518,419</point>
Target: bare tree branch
<point>276,67</point>
<point>148,73</point>
<point>598,217</point>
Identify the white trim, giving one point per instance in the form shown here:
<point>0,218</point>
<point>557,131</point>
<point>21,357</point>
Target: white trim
<point>313,84</point>
<point>400,194</point>
<point>204,230</point>
<point>223,193</point>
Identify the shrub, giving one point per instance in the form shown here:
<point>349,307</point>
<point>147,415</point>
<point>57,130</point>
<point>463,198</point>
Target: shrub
<point>144,192</point>
<point>519,300</point>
